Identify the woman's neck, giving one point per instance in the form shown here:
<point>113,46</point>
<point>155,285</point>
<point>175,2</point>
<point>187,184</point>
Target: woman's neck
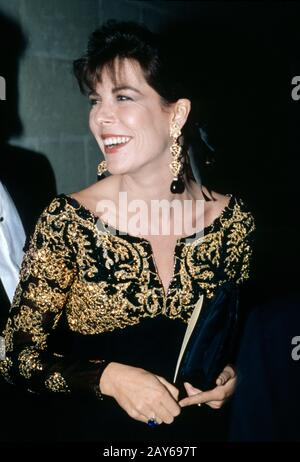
<point>159,189</point>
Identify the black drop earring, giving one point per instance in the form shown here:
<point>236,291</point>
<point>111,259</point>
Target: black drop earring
<point>177,186</point>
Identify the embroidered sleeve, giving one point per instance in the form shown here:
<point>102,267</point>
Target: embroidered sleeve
<point>46,277</point>
<point>238,248</point>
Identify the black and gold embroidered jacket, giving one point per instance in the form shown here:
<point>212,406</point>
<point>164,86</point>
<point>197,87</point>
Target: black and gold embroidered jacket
<point>88,296</point>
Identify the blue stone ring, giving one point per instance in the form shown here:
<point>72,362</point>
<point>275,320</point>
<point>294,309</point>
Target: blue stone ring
<point>152,422</point>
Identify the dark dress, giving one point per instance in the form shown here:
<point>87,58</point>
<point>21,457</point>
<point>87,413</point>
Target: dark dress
<point>89,295</point>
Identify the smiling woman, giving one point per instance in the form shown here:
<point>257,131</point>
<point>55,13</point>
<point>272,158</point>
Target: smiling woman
<point>102,313</point>
<point>138,117</point>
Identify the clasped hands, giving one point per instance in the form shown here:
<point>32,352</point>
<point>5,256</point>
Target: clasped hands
<point>145,396</point>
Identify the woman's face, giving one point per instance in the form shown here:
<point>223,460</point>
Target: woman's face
<point>130,125</point>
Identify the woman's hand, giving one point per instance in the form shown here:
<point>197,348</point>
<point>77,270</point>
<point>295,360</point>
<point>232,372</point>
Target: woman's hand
<point>215,398</point>
<point>141,394</point>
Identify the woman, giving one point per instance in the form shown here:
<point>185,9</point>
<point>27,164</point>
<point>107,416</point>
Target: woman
<point>103,305</point>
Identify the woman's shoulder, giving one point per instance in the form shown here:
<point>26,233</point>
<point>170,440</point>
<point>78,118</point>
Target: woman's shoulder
<point>66,207</point>
<point>237,216</point>
<point>228,210</point>
<point>89,197</point>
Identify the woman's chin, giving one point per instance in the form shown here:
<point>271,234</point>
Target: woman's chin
<point>116,168</point>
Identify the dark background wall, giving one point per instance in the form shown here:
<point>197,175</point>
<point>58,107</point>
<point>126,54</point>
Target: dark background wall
<point>244,55</point>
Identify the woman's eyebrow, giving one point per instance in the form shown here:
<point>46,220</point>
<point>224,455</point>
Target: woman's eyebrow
<point>116,90</point>
<point>93,93</point>
<point>125,87</point>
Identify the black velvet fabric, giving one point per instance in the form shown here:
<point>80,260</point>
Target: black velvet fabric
<point>266,405</point>
<point>212,342</point>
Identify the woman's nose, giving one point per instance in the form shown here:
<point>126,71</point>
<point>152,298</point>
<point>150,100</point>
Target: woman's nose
<point>104,114</point>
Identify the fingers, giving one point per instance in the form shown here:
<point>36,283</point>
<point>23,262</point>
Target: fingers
<point>134,414</point>
<point>191,390</point>
<point>227,374</point>
<point>214,398</point>
<point>172,408</point>
<point>159,412</point>
<point>167,415</point>
<point>168,408</point>
<point>160,403</point>
<point>216,404</point>
<point>204,397</point>
<point>171,388</point>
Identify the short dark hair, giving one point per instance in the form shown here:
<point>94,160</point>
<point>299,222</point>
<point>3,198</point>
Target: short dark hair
<point>116,39</point>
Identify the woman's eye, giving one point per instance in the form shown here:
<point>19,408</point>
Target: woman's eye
<point>93,102</point>
<point>123,98</point>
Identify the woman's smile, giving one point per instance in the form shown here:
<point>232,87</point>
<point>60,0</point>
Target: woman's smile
<point>113,143</point>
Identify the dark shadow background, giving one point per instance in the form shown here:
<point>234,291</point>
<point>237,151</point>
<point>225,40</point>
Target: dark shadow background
<point>245,64</point>
<point>241,65</point>
<point>30,181</point>
<point>241,68</point>
<point>27,175</point>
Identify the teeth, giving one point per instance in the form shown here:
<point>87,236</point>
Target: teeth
<point>116,140</point>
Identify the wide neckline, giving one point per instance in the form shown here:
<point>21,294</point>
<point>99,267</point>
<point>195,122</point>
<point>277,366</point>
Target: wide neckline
<point>206,230</point>
<point>117,232</point>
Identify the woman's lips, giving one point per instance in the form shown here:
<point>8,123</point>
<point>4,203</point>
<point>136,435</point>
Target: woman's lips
<point>115,148</point>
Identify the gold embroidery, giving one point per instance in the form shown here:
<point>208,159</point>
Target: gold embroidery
<point>97,307</point>
<point>31,321</point>
<point>17,297</point>
<point>8,335</point>
<point>45,299</point>
<point>5,367</point>
<point>29,362</point>
<point>55,382</point>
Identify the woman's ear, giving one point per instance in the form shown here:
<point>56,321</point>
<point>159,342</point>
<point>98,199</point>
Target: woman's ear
<point>181,111</point>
